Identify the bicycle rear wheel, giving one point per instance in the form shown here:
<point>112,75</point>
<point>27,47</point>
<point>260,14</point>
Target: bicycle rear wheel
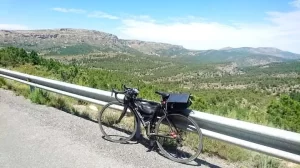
<point>179,137</point>
<point>113,126</point>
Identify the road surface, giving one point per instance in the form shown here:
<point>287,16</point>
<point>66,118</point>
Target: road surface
<point>39,136</point>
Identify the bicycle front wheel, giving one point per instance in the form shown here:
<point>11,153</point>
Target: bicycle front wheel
<point>115,125</point>
<point>179,137</point>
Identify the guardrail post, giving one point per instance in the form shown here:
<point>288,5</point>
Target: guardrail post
<point>32,88</point>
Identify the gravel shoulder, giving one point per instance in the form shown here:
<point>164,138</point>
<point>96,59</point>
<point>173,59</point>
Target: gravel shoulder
<point>39,136</point>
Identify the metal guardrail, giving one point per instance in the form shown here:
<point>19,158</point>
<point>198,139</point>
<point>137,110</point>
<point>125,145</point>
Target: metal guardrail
<point>276,142</point>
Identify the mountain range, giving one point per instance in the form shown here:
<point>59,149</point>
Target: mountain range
<point>68,41</point>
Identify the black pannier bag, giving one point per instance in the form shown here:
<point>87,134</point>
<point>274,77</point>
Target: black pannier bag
<point>177,102</point>
<point>148,109</point>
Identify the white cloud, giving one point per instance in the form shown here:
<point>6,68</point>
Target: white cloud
<point>95,14</point>
<point>13,27</point>
<point>69,10</point>
<point>295,3</point>
<point>187,19</point>
<point>99,14</point>
<point>138,17</point>
<point>281,30</point>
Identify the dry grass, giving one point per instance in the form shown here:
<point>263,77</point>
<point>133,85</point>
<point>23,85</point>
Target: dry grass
<point>110,116</point>
<point>210,146</point>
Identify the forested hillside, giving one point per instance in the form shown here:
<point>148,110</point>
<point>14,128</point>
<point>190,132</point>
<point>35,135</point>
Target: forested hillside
<point>267,95</point>
<point>253,94</point>
<point>69,42</point>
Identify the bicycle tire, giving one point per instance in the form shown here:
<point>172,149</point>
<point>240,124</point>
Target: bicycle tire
<point>198,131</point>
<point>105,133</point>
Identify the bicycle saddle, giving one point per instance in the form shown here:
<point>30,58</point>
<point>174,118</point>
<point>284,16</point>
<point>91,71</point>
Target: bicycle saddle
<point>163,94</point>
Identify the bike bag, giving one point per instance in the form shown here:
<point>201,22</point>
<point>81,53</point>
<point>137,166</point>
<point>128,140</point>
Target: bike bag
<point>178,102</point>
<point>147,108</point>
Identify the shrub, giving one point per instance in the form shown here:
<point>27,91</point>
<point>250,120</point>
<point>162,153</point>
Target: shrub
<point>224,150</point>
<point>59,103</point>
<point>2,82</point>
<point>261,161</point>
<point>40,97</point>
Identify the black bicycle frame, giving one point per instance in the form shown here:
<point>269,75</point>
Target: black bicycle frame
<point>130,104</point>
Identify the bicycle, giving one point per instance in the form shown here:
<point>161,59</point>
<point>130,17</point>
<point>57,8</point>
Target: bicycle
<point>153,116</point>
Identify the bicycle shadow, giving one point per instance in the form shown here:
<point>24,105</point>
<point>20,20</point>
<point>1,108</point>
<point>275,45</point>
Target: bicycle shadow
<point>197,162</point>
<point>118,129</point>
<point>146,143</point>
<point>140,139</point>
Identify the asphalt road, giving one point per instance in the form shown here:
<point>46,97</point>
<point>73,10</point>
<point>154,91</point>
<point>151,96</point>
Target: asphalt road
<point>36,136</point>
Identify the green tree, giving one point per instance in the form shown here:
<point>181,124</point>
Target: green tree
<point>199,103</point>
<point>295,95</point>
<point>34,58</point>
<point>285,113</point>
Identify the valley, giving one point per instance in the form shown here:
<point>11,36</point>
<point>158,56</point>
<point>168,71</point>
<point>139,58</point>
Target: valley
<point>259,85</point>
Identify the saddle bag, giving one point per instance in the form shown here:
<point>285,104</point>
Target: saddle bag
<point>177,102</point>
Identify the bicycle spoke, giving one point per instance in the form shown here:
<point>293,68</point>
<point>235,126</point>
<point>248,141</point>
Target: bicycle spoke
<point>179,147</point>
<point>117,126</point>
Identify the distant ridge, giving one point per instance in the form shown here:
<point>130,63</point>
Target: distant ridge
<point>69,41</point>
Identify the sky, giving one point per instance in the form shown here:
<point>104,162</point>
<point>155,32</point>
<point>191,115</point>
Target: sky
<point>193,24</point>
